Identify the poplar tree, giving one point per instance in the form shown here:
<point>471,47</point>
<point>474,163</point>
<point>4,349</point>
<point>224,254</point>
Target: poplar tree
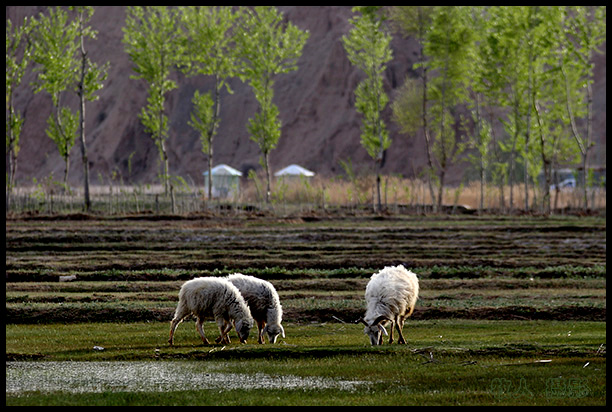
<point>368,48</point>
<point>64,65</point>
<point>54,52</point>
<point>153,39</point>
<point>210,50</point>
<point>449,45</point>
<point>268,46</point>
<point>411,106</point>
<point>18,57</point>
<point>585,32</point>
<point>90,77</point>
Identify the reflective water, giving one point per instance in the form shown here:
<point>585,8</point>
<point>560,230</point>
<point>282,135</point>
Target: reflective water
<point>81,377</point>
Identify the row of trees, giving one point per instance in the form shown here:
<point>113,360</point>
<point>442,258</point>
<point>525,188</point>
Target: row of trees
<point>527,68</point>
<point>220,41</point>
<point>253,44</point>
<point>54,43</point>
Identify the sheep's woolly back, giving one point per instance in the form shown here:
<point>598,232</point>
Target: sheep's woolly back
<point>391,292</point>
<point>261,297</point>
<point>216,296</point>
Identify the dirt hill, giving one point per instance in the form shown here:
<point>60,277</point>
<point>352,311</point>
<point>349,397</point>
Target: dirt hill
<point>319,124</point>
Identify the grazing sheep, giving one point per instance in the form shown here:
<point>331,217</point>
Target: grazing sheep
<point>390,297</point>
<point>205,296</point>
<point>263,301</point>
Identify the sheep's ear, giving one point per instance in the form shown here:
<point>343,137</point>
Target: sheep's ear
<point>383,329</point>
<point>282,330</point>
<point>361,320</point>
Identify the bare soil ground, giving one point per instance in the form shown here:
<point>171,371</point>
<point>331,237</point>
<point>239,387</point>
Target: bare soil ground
<point>130,268</point>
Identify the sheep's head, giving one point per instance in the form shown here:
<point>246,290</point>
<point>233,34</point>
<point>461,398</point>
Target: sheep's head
<point>375,330</point>
<point>243,328</point>
<point>273,331</point>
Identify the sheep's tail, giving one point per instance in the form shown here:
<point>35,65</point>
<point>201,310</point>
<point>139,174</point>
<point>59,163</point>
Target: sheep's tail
<point>410,311</point>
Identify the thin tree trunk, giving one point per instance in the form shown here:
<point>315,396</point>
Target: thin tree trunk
<point>211,133</point>
<point>267,167</point>
<point>87,201</point>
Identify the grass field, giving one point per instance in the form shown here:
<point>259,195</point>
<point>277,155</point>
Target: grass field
<point>512,310</point>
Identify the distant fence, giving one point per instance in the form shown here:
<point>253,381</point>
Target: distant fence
<point>398,196</point>
<point>110,200</point>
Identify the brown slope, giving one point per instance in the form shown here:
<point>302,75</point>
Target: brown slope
<point>319,124</point>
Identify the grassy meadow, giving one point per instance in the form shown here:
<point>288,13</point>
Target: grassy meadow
<point>512,310</point>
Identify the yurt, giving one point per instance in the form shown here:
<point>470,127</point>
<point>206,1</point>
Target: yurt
<point>294,171</point>
<point>225,181</point>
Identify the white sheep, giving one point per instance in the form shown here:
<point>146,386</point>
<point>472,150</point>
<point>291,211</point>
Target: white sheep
<point>390,297</point>
<point>208,295</point>
<point>264,303</point>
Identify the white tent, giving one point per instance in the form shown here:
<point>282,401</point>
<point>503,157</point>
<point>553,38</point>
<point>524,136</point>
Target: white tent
<point>225,181</point>
<point>294,171</point>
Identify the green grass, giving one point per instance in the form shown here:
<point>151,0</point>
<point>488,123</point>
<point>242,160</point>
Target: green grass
<point>445,362</point>
<point>499,295</point>
<point>314,299</point>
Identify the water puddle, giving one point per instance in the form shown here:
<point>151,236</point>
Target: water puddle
<point>83,377</point>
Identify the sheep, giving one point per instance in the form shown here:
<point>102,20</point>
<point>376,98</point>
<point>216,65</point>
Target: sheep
<point>206,295</point>
<point>390,297</point>
<point>264,303</point>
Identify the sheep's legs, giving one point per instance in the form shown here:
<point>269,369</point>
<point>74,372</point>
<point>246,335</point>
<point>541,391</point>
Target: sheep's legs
<point>224,328</point>
<point>180,314</point>
<point>226,338</point>
<point>391,334</point>
<point>400,325</point>
<point>173,324</point>
<point>201,331</point>
<point>260,326</point>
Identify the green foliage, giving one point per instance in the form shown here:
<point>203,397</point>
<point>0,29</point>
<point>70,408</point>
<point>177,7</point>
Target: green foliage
<point>18,57</point>
<point>449,46</point>
<point>265,127</point>
<point>202,117</point>
<point>154,41</point>
<point>55,48</point>
<point>63,129</point>
<point>94,75</point>
<point>153,118</point>
<point>13,131</point>
<point>210,50</point>
<point>18,53</point>
<point>93,80</point>
<point>369,101</point>
<point>268,46</point>
<point>210,45</point>
<point>150,37</point>
<point>532,62</point>
<point>63,64</point>
<point>55,45</point>
<point>408,106</point>
<point>368,47</point>
<point>583,35</point>
<point>411,20</point>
